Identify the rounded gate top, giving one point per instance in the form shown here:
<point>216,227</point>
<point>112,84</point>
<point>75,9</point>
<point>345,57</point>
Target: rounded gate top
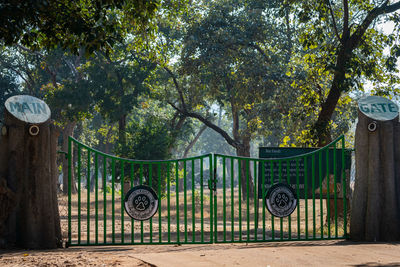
<point>378,108</point>
<point>28,108</point>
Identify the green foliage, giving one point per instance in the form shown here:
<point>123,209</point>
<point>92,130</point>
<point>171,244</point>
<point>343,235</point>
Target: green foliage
<point>267,67</point>
<point>233,56</point>
<point>116,81</point>
<point>342,49</point>
<point>147,139</point>
<point>9,86</point>
<point>91,24</point>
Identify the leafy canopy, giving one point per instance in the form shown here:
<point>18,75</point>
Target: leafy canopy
<point>92,24</point>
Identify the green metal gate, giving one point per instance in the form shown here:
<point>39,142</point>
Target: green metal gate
<point>319,179</point>
<point>96,214</point>
<point>206,199</point>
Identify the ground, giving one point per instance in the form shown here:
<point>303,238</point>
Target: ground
<point>315,253</point>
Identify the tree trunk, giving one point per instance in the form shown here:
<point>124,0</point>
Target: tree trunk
<point>186,152</point>
<point>246,181</point>
<point>122,130</point>
<point>27,164</point>
<point>375,209</point>
<point>68,131</point>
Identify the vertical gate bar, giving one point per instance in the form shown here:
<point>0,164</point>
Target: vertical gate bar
<point>169,200</point>
<point>88,197</point>
<point>214,186</point>
<point>255,201</point>
<point>306,197</point>
<point>96,174</point>
<point>159,200</point>
<point>210,160</point>
<point>141,173</point>
<point>185,199</point>
<point>240,198</point>
<point>150,166</point>
<point>344,186</point>
<point>132,221</point>
<point>79,194</point>
<point>272,216</point>
<point>263,195</point>
<point>334,189</point>
<point>232,201</point>
<point>248,198</point>
<point>328,192</point>
<point>177,200</point>
<point>298,196</point>
<point>122,163</point>
<point>104,199</point>
<point>141,183</point>
<point>113,199</point>
<point>224,195</point>
<point>280,219</point>
<point>201,199</point>
<point>313,193</point>
<point>193,207</point>
<point>289,217</point>
<point>320,194</point>
<point>69,188</point>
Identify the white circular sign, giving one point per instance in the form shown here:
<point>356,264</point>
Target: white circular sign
<point>141,202</point>
<point>28,108</point>
<point>378,108</point>
<point>281,200</point>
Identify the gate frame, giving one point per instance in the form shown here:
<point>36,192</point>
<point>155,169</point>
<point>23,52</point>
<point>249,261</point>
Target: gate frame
<point>212,187</point>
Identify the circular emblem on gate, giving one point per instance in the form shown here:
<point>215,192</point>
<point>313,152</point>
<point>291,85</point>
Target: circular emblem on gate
<point>141,202</point>
<point>281,200</point>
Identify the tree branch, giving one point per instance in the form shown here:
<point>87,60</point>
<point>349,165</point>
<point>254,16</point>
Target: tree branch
<point>209,124</point>
<point>178,88</point>
<point>204,120</point>
<point>372,15</point>
<point>29,51</point>
<point>344,55</point>
<point>259,49</point>
<point>16,71</point>
<point>333,21</point>
<point>191,144</point>
<point>288,34</point>
<point>346,31</point>
<point>179,125</point>
<point>392,8</point>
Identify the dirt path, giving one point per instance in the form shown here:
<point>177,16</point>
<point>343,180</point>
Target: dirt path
<point>317,253</point>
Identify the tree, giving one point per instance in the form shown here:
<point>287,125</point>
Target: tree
<point>151,134</point>
<point>65,91</point>
<point>227,60</point>
<point>78,26</point>
<point>92,25</point>
<point>343,39</point>
<point>116,81</point>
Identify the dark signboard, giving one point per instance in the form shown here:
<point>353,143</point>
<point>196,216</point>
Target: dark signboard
<point>305,172</point>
